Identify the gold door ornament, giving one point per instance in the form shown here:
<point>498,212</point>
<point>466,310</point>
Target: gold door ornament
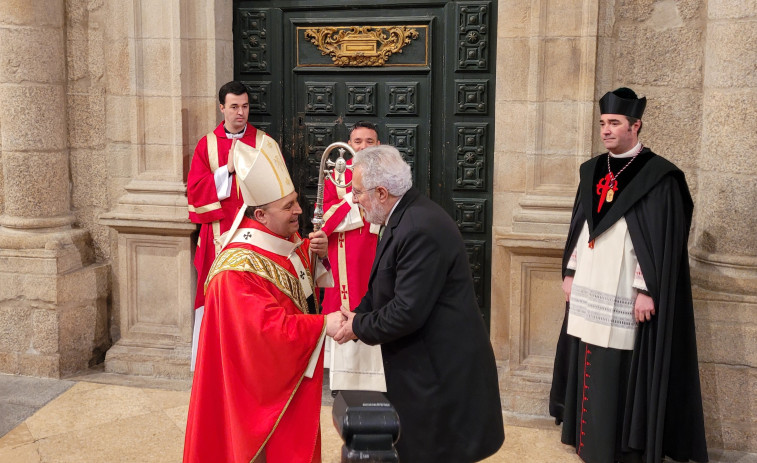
<point>361,45</point>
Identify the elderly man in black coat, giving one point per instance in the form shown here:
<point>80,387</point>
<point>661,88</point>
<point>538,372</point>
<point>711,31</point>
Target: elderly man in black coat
<point>420,306</point>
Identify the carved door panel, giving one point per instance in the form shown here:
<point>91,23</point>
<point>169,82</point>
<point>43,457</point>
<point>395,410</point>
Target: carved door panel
<point>423,75</point>
<point>329,97</point>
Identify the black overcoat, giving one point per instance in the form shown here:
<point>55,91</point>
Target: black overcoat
<point>440,370</point>
<point>663,411</point>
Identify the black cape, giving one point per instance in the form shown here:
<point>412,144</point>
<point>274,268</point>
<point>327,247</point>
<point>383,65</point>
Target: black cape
<point>663,408</point>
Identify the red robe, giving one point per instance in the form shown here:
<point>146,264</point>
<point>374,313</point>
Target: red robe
<point>215,216</point>
<point>352,272</point>
<point>249,388</point>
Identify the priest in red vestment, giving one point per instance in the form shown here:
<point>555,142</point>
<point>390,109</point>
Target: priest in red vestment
<point>256,392</point>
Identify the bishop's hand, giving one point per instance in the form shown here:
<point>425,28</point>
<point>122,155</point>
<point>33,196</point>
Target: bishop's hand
<point>319,243</point>
<point>334,321</point>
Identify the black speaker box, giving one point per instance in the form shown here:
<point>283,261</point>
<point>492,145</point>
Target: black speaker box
<point>369,426</point>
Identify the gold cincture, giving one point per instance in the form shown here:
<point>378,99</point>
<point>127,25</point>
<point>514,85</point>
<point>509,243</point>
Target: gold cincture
<point>361,45</point>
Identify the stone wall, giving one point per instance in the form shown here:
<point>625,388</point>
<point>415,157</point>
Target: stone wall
<point>95,248</point>
<point>103,104</point>
<point>724,242</point>
<point>53,294</point>
<point>695,63</point>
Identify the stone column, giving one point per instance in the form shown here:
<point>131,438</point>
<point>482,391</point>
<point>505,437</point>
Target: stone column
<point>724,251</point>
<point>545,103</point>
<point>52,295</point>
<point>166,58</point>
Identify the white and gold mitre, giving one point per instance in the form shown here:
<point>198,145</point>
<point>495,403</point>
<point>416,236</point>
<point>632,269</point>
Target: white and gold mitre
<point>262,175</point>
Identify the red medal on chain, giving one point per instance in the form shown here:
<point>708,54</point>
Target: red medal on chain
<point>606,188</point>
<point>608,185</point>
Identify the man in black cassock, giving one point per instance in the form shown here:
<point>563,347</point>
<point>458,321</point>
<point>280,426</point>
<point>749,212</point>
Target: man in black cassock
<point>626,379</point>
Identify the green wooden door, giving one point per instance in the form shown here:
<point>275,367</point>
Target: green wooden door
<point>422,71</point>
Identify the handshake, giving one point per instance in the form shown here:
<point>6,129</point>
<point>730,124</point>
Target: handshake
<point>339,325</point>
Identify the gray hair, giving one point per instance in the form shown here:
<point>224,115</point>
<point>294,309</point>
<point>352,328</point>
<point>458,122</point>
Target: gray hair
<point>382,165</point>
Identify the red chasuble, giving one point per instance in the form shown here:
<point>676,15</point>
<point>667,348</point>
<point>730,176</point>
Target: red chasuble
<point>249,390</point>
<point>351,253</point>
<point>215,216</point>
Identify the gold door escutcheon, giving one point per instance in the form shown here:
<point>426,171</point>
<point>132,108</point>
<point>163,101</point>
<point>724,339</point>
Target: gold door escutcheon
<point>361,45</point>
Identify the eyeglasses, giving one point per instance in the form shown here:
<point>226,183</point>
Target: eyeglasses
<point>356,193</point>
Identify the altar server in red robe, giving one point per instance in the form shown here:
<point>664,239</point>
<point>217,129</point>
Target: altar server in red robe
<point>352,247</point>
<point>212,195</point>
<point>256,393</point>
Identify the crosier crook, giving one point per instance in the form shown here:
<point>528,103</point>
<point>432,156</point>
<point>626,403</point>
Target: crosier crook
<point>336,175</point>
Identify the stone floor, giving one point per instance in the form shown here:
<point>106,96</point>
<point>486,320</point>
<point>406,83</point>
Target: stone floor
<point>21,396</point>
<point>110,418</point>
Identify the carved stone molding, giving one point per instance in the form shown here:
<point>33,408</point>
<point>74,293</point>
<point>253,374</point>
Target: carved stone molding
<point>155,303</point>
<point>155,280</point>
<point>151,207</point>
<point>724,273</point>
<point>543,214</point>
<point>524,331</point>
<point>361,45</point>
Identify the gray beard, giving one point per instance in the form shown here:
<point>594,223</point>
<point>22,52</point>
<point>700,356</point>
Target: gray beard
<point>376,216</point>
